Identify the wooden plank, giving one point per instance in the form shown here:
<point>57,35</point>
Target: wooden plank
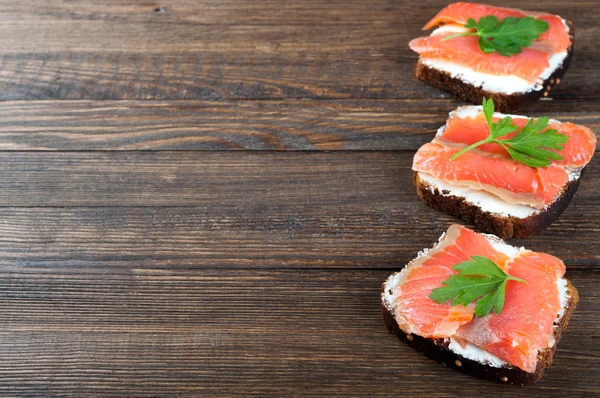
<point>241,209</point>
<point>231,26</point>
<point>262,236</point>
<point>237,179</point>
<point>198,178</point>
<point>103,51</point>
<point>217,75</point>
<point>237,125</point>
<point>219,125</point>
<point>255,12</point>
<point>368,73</point>
<point>106,331</point>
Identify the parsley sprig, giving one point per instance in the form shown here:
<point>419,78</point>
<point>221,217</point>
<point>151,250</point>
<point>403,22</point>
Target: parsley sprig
<point>507,37</point>
<point>532,146</point>
<point>479,280</point>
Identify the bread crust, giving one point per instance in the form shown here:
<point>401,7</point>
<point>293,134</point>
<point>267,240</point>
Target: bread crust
<point>493,223</point>
<point>502,102</point>
<point>437,349</point>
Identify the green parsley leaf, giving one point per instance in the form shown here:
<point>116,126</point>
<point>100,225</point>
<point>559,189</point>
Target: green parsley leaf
<point>532,146</point>
<point>507,37</point>
<point>479,280</point>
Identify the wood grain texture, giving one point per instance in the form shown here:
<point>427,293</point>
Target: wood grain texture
<point>143,252</point>
<point>242,125</point>
<point>364,179</point>
<point>106,331</point>
<point>239,209</point>
<point>257,12</point>
<point>236,50</point>
<point>262,236</point>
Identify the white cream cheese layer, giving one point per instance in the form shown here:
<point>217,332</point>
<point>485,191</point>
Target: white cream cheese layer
<point>563,296</point>
<point>482,199</point>
<point>507,84</point>
<point>390,292</point>
<point>475,353</point>
<point>503,247</point>
<point>474,110</point>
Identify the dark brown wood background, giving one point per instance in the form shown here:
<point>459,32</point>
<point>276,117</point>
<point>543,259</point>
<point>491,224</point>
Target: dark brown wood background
<point>203,197</point>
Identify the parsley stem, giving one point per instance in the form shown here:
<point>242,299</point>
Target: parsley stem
<point>514,278</point>
<point>460,35</point>
<point>467,149</point>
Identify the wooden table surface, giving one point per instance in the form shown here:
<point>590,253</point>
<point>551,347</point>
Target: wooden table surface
<point>203,197</point>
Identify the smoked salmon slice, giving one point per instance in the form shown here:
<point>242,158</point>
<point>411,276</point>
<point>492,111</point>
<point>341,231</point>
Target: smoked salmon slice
<point>460,12</point>
<point>472,128</point>
<point>555,39</point>
<point>416,312</point>
<point>509,180</point>
<point>528,64</point>
<point>525,324</point>
<point>517,334</point>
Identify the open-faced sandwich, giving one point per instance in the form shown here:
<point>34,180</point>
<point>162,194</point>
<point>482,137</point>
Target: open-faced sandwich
<point>478,305</point>
<point>509,55</point>
<point>509,175</point>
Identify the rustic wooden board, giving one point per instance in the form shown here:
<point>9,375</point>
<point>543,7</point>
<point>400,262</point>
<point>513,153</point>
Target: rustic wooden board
<point>203,197</point>
<point>121,331</point>
<point>242,125</point>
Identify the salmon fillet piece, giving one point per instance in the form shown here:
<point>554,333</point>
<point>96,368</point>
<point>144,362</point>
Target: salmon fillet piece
<point>415,311</point>
<point>460,12</point>
<point>577,151</point>
<point>529,64</point>
<point>555,39</point>
<point>524,327</point>
<point>509,180</point>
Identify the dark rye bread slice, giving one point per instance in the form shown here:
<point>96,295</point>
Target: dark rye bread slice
<point>437,349</point>
<point>493,223</point>
<point>503,102</point>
